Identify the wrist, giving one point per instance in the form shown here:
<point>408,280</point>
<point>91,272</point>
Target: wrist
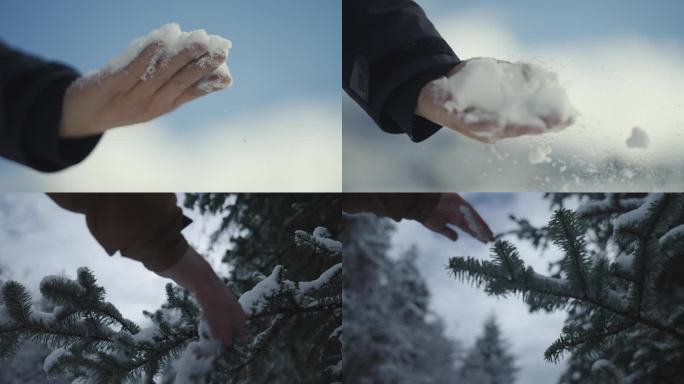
<point>193,273</point>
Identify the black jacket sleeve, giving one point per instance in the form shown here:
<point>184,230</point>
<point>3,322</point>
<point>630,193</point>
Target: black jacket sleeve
<point>31,94</point>
<point>390,50</point>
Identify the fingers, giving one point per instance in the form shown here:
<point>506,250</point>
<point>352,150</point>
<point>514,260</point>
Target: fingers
<point>447,232</point>
<point>212,83</point>
<point>129,76</point>
<point>464,216</point>
<point>186,79</point>
<point>474,224</point>
<point>168,67</point>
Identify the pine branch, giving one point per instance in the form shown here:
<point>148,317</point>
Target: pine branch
<point>589,283</point>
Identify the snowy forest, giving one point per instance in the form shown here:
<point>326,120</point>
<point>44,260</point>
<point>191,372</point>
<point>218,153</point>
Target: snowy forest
<point>389,333</point>
<point>614,273</point>
<point>285,264</point>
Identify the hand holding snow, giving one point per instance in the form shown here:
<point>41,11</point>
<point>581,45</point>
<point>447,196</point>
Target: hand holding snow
<point>505,95</point>
<point>157,74</point>
<point>172,40</point>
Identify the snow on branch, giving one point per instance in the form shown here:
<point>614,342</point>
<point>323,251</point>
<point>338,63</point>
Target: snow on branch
<point>91,341</point>
<point>624,295</point>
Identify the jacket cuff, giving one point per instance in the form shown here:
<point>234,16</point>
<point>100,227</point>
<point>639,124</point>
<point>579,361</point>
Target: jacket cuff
<point>396,206</point>
<point>398,112</point>
<point>163,249</point>
<point>44,149</point>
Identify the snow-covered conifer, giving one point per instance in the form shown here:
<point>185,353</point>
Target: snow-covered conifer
<point>389,334</point>
<point>619,278</point>
<point>489,361</point>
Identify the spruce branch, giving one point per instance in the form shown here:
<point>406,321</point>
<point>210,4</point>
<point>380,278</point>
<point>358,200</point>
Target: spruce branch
<point>593,283</point>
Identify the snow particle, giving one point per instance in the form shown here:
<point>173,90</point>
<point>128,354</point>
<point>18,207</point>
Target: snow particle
<point>638,139</point>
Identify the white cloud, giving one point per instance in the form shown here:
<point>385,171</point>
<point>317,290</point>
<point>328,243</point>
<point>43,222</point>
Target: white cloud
<point>296,146</point>
<point>617,82</point>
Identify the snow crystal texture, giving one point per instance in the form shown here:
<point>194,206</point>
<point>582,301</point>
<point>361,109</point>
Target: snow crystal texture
<point>506,94</point>
<point>173,40</point>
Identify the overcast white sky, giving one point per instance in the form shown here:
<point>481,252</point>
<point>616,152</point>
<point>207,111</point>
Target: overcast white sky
<point>39,238</point>
<point>464,307</point>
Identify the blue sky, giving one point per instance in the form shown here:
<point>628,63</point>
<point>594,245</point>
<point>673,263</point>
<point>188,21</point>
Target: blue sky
<point>282,111</point>
<point>281,50</point>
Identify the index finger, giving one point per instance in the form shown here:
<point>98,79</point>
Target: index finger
<point>128,76</point>
<point>473,223</point>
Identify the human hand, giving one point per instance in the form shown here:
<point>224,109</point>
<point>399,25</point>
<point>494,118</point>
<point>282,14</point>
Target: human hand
<point>434,98</point>
<point>452,209</point>
<point>96,103</point>
<point>220,307</point>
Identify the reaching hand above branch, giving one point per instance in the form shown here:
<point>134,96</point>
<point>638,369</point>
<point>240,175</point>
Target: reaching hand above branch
<point>223,312</point>
<point>439,212</point>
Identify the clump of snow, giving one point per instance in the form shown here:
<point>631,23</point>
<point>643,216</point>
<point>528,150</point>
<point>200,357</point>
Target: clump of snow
<point>625,262</point>
<point>674,233</point>
<point>52,359</point>
<point>253,300</point>
<point>146,335</point>
<point>539,153</point>
<point>472,223</point>
<point>608,366</point>
<point>172,40</point>
<point>506,94</point>
<point>638,139</point>
<point>635,216</point>
<point>322,236</point>
<point>324,278</point>
<point>197,359</point>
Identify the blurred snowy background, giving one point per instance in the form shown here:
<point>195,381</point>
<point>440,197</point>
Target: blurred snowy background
<point>622,63</point>
<point>261,134</point>
<point>464,308</point>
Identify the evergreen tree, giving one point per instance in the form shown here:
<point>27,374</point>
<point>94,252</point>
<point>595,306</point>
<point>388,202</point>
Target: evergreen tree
<point>619,279</point>
<point>293,322</point>
<point>26,366</point>
<point>260,228</point>
<point>389,334</point>
<point>489,361</point>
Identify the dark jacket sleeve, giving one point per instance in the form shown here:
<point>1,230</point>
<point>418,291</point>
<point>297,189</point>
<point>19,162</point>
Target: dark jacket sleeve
<point>397,206</point>
<point>31,94</point>
<point>142,226</point>
<point>390,50</point>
